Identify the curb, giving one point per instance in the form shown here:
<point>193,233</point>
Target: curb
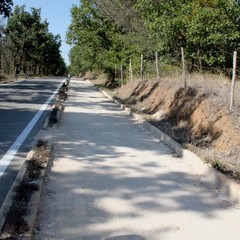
<point>34,201</point>
<point>7,203</point>
<point>36,196</point>
<point>225,185</point>
<point>59,112</point>
<point>59,115</point>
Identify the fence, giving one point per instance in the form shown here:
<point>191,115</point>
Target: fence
<point>157,68</point>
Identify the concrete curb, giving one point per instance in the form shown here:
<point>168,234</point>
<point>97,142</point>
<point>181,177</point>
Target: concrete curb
<point>34,202</point>
<point>226,186</point>
<point>7,203</point>
<point>59,115</point>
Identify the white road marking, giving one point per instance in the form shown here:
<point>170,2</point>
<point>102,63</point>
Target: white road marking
<point>8,157</point>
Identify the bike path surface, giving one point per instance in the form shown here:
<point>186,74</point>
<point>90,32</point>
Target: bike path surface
<point>112,180</point>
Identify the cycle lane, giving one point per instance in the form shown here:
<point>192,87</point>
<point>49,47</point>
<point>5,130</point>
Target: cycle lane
<point>110,179</point>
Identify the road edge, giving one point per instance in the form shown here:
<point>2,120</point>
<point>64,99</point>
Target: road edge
<point>34,203</point>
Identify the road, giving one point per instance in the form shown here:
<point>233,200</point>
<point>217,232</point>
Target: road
<point>19,103</point>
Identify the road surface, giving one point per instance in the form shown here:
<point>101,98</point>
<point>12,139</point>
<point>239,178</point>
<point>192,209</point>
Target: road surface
<point>19,103</point>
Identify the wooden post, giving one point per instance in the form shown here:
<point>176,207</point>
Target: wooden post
<point>130,70</point>
<point>157,67</point>
<point>233,80</point>
<point>122,74</point>
<point>115,72</point>
<point>141,67</point>
<point>184,69</point>
<point>199,61</point>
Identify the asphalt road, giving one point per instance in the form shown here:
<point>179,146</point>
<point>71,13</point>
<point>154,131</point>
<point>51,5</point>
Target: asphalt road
<point>19,103</point>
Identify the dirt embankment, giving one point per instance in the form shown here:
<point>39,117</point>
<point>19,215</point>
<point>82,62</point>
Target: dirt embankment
<point>191,117</point>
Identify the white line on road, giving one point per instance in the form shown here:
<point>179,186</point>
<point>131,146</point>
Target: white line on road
<point>8,157</point>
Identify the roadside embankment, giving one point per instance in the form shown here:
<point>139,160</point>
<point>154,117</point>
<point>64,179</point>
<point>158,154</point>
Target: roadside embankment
<point>190,117</point>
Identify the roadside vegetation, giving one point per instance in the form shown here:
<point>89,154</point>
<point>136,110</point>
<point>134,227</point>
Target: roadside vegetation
<point>108,33</point>
<point>111,36</point>
<point>26,45</point>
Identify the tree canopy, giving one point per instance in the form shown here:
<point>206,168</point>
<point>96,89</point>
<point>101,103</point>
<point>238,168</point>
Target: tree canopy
<point>109,32</point>
<point>28,46</point>
<point>6,7</point>
<point>105,33</point>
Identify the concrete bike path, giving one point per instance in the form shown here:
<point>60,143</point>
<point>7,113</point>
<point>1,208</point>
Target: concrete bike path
<point>111,180</point>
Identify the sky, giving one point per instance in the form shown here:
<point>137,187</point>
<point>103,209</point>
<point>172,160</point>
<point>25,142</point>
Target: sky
<point>57,13</point>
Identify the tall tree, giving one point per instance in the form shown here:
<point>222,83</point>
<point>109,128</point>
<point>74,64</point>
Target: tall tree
<point>33,48</point>
<point>206,28</point>
<point>106,33</point>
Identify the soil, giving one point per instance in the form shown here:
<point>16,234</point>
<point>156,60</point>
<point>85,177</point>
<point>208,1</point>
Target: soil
<point>16,224</point>
<point>196,116</point>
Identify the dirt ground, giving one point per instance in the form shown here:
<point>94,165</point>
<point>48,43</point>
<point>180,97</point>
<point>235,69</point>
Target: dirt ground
<point>197,116</point>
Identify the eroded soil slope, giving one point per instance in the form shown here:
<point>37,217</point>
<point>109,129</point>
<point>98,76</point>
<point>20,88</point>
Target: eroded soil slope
<point>192,116</point>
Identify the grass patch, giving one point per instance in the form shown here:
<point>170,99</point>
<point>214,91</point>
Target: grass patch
<point>216,164</point>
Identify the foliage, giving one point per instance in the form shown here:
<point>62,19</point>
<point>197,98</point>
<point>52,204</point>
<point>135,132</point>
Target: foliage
<point>5,7</point>
<point>105,33</point>
<point>104,36</point>
<point>207,29</point>
<point>30,46</point>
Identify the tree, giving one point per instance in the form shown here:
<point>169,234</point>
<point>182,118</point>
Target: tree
<point>207,29</point>
<point>6,7</point>
<point>33,48</point>
<point>213,31</point>
<point>104,34</point>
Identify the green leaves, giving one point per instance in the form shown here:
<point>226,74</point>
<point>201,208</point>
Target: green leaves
<point>105,33</point>
<point>110,32</point>
<point>33,48</point>
<point>203,26</point>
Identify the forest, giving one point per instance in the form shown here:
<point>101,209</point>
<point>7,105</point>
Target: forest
<point>107,33</point>
<point>26,45</point>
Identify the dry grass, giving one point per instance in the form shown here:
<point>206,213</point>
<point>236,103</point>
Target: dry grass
<point>216,86</point>
<point>212,131</point>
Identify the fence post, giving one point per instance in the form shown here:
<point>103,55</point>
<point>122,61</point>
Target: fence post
<point>141,67</point>
<point>184,68</point>
<point>115,73</point>
<point>130,70</point>
<point>157,67</point>
<point>122,74</point>
<point>199,60</point>
<point>233,80</point>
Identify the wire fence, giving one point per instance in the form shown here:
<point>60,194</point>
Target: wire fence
<point>192,70</point>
